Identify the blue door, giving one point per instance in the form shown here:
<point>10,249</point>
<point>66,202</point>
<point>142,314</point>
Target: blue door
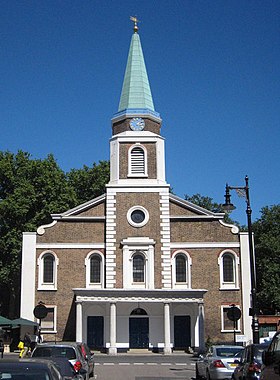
<point>139,332</point>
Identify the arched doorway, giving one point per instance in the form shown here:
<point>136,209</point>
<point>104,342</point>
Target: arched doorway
<point>138,329</point>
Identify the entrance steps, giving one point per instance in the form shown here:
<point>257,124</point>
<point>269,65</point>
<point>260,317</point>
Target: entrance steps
<point>139,351</point>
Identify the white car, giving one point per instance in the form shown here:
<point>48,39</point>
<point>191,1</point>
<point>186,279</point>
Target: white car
<point>218,363</point>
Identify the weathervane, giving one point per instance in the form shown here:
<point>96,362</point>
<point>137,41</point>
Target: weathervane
<point>135,20</point>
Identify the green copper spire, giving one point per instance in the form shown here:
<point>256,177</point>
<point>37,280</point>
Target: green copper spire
<point>136,92</point>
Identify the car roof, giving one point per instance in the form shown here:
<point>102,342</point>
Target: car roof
<point>22,363</point>
<point>226,345</point>
<point>58,344</point>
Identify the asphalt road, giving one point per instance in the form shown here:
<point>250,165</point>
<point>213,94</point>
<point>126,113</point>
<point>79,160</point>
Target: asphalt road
<point>142,367</point>
<point>150,367</point>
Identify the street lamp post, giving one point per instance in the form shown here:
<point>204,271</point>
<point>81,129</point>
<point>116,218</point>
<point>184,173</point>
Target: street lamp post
<point>228,206</point>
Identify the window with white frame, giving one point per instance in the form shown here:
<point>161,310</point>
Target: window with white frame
<point>227,324</point>
<point>137,216</point>
<point>228,262</point>
<point>181,269</point>
<point>48,324</point>
<point>137,161</point>
<point>47,271</point>
<point>94,269</point>
<point>138,263</point>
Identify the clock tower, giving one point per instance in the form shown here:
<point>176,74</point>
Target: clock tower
<point>137,194</point>
<point>136,148</point>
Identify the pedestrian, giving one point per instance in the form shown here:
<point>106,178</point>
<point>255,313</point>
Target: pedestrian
<point>1,348</point>
<point>27,343</point>
<point>21,347</point>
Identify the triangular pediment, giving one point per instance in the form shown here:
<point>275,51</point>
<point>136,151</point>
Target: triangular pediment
<point>95,208</point>
<point>180,208</point>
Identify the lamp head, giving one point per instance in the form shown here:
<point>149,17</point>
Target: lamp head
<point>228,206</point>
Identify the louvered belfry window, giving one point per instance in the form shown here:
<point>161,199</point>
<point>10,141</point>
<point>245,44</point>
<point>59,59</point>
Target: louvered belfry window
<point>137,161</point>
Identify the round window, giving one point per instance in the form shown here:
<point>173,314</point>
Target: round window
<point>137,216</point>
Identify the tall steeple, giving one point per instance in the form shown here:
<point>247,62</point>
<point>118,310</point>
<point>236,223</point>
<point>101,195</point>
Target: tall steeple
<point>136,92</point>
<point>136,97</point>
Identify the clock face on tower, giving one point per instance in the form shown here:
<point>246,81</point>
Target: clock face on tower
<point>137,124</point>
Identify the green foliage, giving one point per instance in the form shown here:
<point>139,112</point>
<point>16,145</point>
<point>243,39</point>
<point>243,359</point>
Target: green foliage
<point>208,204</point>
<point>89,183</point>
<point>267,249</point>
<point>29,191</point>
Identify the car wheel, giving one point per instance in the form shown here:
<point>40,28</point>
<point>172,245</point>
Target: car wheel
<point>197,375</point>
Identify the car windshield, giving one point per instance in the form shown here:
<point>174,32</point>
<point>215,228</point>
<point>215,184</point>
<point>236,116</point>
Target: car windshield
<point>23,375</point>
<point>227,352</point>
<point>62,352</point>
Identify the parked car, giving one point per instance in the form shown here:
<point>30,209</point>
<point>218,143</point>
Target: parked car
<point>70,350</point>
<point>218,363</point>
<point>250,363</point>
<point>67,370</point>
<point>271,360</point>
<point>28,369</point>
<point>88,355</point>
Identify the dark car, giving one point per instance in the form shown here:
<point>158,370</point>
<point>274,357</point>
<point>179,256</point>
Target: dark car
<point>70,350</point>
<point>88,355</point>
<point>28,369</point>
<point>67,370</point>
<point>271,360</point>
<point>250,363</point>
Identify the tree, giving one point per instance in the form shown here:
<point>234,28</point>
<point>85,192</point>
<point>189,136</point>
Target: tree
<point>29,191</point>
<point>208,204</point>
<point>89,183</point>
<point>267,249</point>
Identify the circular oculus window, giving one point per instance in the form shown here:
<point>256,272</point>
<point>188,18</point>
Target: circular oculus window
<point>137,216</point>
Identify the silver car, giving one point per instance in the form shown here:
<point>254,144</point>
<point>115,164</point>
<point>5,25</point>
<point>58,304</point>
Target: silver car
<point>218,363</point>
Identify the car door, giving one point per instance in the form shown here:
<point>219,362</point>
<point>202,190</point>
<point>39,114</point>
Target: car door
<point>239,371</point>
<point>271,370</point>
<point>202,363</point>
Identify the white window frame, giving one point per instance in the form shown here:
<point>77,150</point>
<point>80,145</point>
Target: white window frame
<point>238,329</point>
<point>45,330</point>
<point>95,285</point>
<point>131,222</point>
<point>181,285</point>
<point>145,167</point>
<point>40,264</point>
<point>146,247</point>
<point>229,285</point>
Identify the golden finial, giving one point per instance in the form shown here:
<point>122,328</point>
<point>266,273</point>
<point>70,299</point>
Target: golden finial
<point>135,20</point>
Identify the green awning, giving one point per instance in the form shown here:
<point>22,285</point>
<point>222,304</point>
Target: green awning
<point>5,321</point>
<point>24,322</point>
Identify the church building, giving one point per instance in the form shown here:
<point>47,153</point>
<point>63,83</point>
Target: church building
<point>137,267</point>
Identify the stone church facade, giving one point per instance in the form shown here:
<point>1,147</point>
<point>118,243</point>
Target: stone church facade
<point>137,267</point>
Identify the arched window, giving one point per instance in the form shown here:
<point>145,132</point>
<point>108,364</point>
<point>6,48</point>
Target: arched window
<point>228,268</point>
<point>137,161</point>
<point>181,268</point>
<point>138,268</point>
<point>94,263</point>
<point>47,271</point>
<point>138,263</point>
<point>95,269</point>
<point>228,262</point>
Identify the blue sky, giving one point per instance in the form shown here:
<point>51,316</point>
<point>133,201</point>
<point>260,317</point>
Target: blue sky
<point>214,71</point>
